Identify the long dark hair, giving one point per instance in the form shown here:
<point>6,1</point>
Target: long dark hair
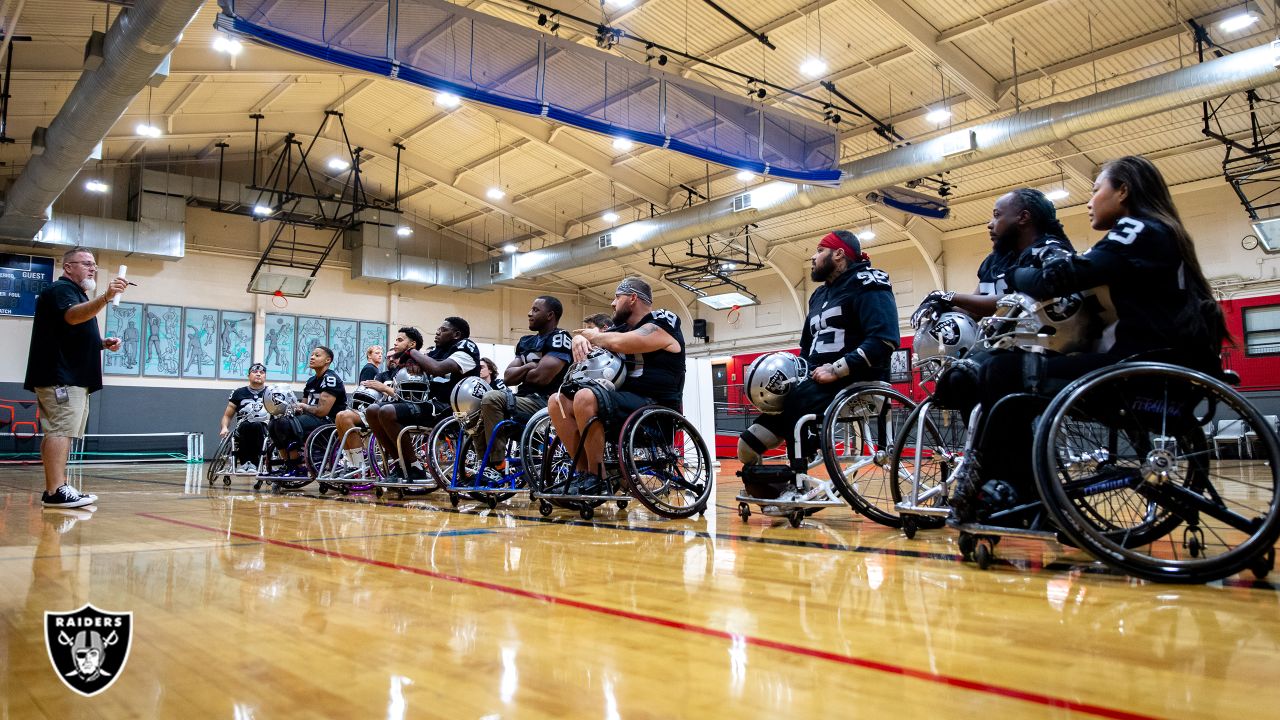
<point>1044,216</point>
<point>1149,197</point>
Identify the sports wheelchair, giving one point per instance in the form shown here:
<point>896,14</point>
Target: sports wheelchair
<point>223,463</point>
<point>854,438</point>
<point>658,458</point>
<point>1121,462</point>
<point>326,462</point>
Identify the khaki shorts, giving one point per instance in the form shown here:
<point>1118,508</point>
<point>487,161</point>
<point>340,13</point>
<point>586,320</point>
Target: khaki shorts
<point>68,419</point>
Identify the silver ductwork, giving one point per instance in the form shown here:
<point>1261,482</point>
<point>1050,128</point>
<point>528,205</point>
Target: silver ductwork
<point>1027,130</point>
<point>150,236</point>
<point>370,262</point>
<point>135,47</point>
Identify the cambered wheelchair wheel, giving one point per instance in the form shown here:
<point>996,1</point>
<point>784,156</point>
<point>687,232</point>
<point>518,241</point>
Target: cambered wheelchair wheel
<point>1126,472</point>
<point>665,463</point>
<point>928,448</point>
<point>221,462</point>
<point>320,450</point>
<point>534,439</point>
<point>439,450</point>
<point>858,435</point>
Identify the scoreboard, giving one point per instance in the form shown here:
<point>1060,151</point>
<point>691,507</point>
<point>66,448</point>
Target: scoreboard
<point>22,278</point>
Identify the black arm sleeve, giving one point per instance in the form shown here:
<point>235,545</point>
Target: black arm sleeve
<point>1075,273</point>
<point>878,313</point>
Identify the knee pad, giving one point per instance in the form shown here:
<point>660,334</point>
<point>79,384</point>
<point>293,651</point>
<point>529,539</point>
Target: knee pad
<point>753,443</point>
<point>958,386</point>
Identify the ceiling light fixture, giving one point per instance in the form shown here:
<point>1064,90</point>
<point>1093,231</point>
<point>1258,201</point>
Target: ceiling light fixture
<point>867,234</point>
<point>622,144</point>
<point>939,116</point>
<point>510,248</point>
<point>495,193</point>
<point>404,231</point>
<point>745,176</point>
<point>814,67</point>
<point>1058,194</point>
<point>96,186</point>
<point>227,45</point>
<point>448,100</point>
<point>1241,20</point>
<point>338,164</point>
<point>610,217</point>
<point>146,130</point>
<point>262,210</point>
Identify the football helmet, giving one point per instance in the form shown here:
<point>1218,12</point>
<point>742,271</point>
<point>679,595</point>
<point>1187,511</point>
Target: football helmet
<point>949,336</point>
<point>363,397</point>
<point>466,395</point>
<point>411,387</point>
<point>601,367</point>
<point>1064,325</point>
<point>278,400</point>
<point>254,412</point>
<point>770,377</point>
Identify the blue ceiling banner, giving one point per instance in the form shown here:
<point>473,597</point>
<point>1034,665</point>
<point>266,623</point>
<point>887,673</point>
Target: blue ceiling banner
<point>449,48</point>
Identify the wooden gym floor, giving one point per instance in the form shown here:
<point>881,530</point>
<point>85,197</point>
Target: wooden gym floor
<point>254,605</point>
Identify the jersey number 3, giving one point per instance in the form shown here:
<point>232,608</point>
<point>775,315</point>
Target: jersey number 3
<point>826,339</point>
<point>1126,231</point>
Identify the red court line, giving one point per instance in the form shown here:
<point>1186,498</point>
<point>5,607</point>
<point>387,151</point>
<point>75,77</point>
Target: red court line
<point>890,668</point>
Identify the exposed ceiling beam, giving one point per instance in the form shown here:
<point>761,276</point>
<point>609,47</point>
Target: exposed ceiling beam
<point>348,96</point>
<point>792,16</point>
<point>922,37</point>
<point>989,20</point>
<point>264,103</point>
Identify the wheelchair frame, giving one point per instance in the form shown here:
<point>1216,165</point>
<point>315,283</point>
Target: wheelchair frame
<point>224,457</point>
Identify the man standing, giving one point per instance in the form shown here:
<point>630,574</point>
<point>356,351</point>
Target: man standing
<point>64,366</point>
<point>849,334</point>
<point>538,368</point>
<point>371,368</point>
<point>653,345</point>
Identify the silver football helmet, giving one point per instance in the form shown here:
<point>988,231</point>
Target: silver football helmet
<point>412,388</point>
<point>1063,325</point>
<point>253,412</point>
<point>602,367</point>
<point>950,336</point>
<point>466,395</point>
<point>363,397</point>
<point>278,400</point>
<point>770,377</point>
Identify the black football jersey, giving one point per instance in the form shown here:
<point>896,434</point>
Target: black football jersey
<point>557,344</point>
<point>245,397</point>
<point>856,318</point>
<point>993,274</point>
<point>327,382</point>
<point>657,375</point>
<point>466,354</point>
<point>1139,265</point>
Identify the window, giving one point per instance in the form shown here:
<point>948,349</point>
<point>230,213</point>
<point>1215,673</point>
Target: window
<point>1262,330</point>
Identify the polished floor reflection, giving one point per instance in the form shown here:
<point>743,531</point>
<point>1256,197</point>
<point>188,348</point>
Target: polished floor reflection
<point>256,605</point>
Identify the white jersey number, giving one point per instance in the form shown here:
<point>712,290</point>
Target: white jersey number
<point>826,339</point>
<point>1126,231</point>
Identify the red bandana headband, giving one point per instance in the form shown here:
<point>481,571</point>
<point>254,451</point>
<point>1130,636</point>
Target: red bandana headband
<point>853,252</point>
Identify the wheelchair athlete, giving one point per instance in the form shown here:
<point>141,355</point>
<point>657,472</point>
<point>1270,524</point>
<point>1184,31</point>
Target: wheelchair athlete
<point>538,369</point>
<point>382,383</point>
<point>1024,229</point>
<point>653,344</point>
<point>454,357</point>
<point>325,396</point>
<point>245,405</point>
<point>1159,302</point>
<point>848,336</point>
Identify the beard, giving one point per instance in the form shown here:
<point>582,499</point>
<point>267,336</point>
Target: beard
<point>821,271</point>
<point>620,317</point>
<point>1005,243</point>
<point>88,285</point>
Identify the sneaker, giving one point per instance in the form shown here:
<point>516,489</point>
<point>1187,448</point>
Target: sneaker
<point>248,467</point>
<point>417,473</point>
<point>67,497</point>
<point>494,477</point>
<point>967,482</point>
<point>587,483</point>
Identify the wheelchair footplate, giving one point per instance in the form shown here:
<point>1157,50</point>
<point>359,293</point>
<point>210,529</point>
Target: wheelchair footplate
<point>978,540</point>
<point>557,495</point>
<point>795,495</point>
<point>493,490</point>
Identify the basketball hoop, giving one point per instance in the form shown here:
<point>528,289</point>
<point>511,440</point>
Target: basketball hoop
<point>279,300</point>
<point>735,313</point>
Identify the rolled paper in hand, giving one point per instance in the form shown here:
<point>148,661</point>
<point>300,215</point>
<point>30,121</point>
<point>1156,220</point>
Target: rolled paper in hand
<point>115,301</point>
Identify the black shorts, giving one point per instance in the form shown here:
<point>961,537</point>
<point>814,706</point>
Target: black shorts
<point>807,397</point>
<point>290,432</point>
<point>617,405</point>
<point>424,414</point>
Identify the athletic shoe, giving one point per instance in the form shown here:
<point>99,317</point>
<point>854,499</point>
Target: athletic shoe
<point>417,473</point>
<point>248,467</point>
<point>967,486</point>
<point>67,497</point>
<point>587,483</point>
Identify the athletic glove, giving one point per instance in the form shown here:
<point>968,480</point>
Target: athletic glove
<point>933,305</point>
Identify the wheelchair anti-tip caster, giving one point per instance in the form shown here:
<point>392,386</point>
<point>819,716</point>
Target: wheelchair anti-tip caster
<point>453,499</point>
<point>984,553</point>
<point>795,517</point>
<point>226,479</point>
<point>1264,564</point>
<point>587,512</point>
<point>744,511</point>
<point>544,508</point>
<point>622,504</point>
<point>377,491</point>
<point>909,527</point>
<point>257,485</point>
<point>324,488</point>
<point>967,543</point>
<point>491,501</point>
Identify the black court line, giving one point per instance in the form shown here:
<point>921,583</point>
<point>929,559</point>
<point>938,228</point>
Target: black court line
<point>1095,568</point>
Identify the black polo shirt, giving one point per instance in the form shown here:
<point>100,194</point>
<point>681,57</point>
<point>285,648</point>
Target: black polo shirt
<point>62,353</point>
